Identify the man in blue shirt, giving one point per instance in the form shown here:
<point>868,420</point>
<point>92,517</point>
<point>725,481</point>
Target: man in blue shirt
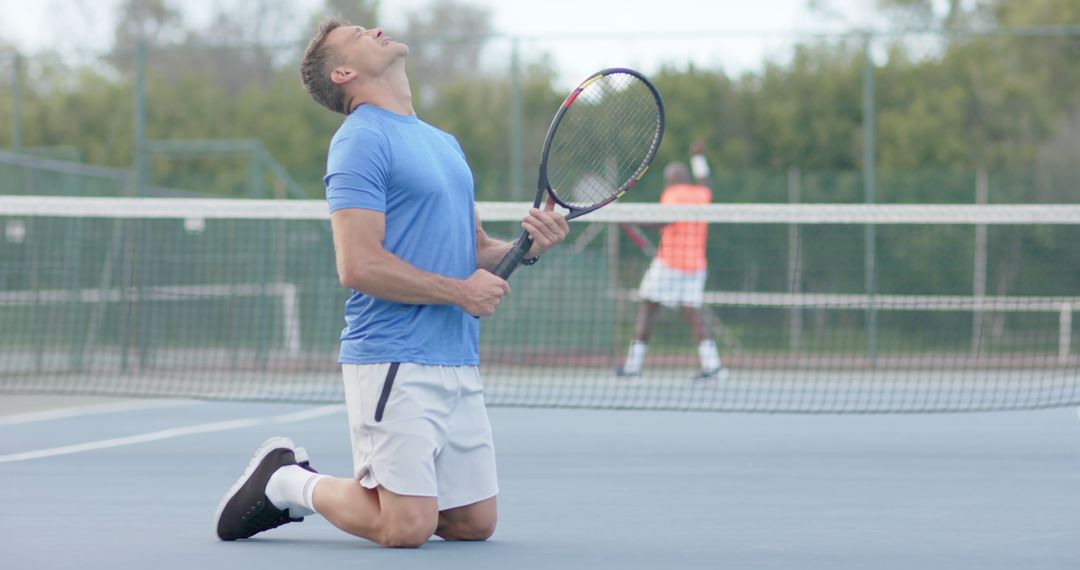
<point>409,244</point>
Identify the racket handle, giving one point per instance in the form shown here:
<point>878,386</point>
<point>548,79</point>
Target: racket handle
<point>513,258</point>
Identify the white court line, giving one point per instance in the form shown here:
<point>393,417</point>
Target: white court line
<point>75,411</point>
<point>174,432</point>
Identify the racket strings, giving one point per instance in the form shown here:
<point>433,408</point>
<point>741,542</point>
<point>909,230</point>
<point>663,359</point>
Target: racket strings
<point>604,140</point>
<point>617,120</point>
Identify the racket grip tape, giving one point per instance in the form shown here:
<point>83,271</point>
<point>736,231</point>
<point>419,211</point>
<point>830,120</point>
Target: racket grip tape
<point>513,258</point>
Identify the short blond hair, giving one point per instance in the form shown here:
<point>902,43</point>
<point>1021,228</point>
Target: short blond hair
<point>317,63</point>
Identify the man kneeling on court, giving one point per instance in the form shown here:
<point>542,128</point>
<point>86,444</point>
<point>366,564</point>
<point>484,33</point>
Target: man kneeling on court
<point>410,246</point>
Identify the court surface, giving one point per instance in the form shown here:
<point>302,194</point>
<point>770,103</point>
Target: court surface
<point>91,483</point>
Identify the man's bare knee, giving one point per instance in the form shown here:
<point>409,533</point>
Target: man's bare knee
<point>470,530</point>
<point>406,535</point>
<point>407,530</point>
<point>406,522</point>
<point>404,539</point>
<point>473,522</point>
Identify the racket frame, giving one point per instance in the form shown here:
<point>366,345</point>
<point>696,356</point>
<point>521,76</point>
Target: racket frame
<point>521,246</point>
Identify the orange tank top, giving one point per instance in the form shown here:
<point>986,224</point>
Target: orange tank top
<point>682,244</point>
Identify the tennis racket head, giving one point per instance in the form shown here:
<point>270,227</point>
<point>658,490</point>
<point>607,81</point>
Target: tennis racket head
<point>602,140</point>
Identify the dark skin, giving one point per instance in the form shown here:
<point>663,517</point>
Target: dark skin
<point>697,318</point>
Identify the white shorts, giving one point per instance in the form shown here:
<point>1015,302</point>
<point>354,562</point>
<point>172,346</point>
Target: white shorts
<point>671,287</point>
<point>421,430</point>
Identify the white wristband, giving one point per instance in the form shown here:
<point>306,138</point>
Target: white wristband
<point>699,166</point>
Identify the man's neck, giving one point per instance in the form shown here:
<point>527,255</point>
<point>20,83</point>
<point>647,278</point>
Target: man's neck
<point>389,91</point>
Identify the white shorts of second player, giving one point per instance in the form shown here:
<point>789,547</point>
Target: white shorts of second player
<point>421,431</point>
<point>671,287</point>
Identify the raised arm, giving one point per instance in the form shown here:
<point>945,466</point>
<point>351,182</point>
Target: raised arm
<point>699,166</point>
<point>365,266</point>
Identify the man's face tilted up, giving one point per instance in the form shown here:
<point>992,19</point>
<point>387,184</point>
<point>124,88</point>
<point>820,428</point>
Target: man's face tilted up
<point>367,51</point>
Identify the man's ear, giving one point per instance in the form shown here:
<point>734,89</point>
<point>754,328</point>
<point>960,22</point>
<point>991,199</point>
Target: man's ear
<point>342,74</point>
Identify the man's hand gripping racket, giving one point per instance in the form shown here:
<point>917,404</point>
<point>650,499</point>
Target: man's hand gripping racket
<point>600,143</point>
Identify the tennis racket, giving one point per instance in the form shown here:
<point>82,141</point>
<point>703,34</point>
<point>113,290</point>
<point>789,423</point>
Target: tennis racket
<point>600,143</point>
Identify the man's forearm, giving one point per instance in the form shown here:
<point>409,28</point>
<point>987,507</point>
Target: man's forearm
<point>491,252</point>
<point>545,227</point>
<point>388,277</point>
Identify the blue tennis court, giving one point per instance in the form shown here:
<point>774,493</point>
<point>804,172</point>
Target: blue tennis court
<point>89,482</point>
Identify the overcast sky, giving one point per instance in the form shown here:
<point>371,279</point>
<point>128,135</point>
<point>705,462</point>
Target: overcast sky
<point>639,33</point>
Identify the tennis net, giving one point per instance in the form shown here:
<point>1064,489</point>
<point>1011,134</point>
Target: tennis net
<point>813,308</point>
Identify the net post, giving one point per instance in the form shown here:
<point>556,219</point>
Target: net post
<point>37,327</point>
<point>131,286</point>
<point>613,238</point>
<point>869,179</point>
<point>73,268</point>
<point>978,286</point>
<point>794,262</point>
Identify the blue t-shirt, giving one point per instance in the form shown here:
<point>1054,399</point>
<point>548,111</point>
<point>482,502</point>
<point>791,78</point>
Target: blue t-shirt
<point>417,176</point>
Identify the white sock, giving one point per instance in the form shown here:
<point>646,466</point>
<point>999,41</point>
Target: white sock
<point>293,487</point>
<point>710,358</point>
<point>635,357</point>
